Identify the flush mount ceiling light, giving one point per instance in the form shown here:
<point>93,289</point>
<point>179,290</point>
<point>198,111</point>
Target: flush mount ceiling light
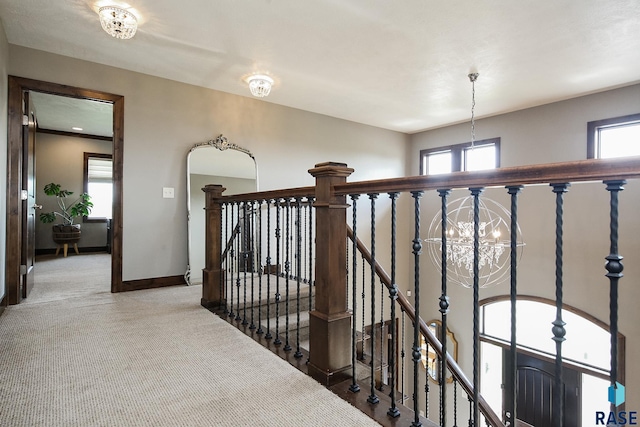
<point>260,85</point>
<point>117,22</point>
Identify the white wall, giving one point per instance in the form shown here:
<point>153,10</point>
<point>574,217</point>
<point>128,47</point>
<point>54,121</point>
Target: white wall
<point>60,159</point>
<point>553,133</point>
<point>164,119</point>
<point>4,59</point>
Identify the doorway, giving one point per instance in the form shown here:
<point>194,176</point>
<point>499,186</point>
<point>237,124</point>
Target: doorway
<point>17,209</point>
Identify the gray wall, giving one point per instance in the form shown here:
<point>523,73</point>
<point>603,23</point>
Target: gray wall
<point>164,119</point>
<point>60,159</point>
<point>4,59</point>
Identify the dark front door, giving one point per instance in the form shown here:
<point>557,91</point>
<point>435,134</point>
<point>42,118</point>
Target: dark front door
<point>27,258</point>
<point>537,388</point>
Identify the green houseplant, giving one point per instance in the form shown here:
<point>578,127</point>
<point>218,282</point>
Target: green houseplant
<point>67,232</point>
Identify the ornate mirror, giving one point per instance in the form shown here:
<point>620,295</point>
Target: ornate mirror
<point>213,162</point>
<point>429,358</point>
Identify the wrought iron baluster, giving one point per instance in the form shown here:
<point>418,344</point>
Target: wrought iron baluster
<point>287,269</point>
<point>277,341</point>
<point>372,397</point>
<point>417,250</point>
<point>402,354</point>
<point>226,257</point>
<point>614,269</point>
<point>260,331</point>
<point>511,411</point>
<point>444,305</point>
<point>455,402</point>
<point>304,239</point>
<point>393,296</point>
<point>354,387</point>
<point>252,263</point>
<point>363,305</point>
<point>239,252</point>
<point>245,260</point>
<point>558,328</point>
<point>232,256</point>
<point>471,421</point>
<point>426,382</point>
<point>475,192</point>
<point>310,201</point>
<point>268,262</point>
<point>298,353</point>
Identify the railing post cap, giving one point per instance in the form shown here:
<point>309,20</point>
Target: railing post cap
<point>214,189</point>
<point>331,169</point>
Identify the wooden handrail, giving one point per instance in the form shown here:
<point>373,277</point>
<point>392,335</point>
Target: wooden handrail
<point>452,364</point>
<point>577,171</point>
<point>290,193</point>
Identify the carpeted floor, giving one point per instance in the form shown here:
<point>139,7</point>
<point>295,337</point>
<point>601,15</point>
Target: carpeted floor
<point>147,358</point>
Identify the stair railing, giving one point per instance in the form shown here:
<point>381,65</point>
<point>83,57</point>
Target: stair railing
<point>330,346</point>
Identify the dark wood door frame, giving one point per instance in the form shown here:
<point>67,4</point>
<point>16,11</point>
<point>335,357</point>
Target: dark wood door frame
<point>17,85</point>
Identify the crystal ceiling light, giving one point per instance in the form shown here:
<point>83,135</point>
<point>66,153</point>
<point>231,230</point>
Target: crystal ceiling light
<point>260,85</point>
<point>117,22</point>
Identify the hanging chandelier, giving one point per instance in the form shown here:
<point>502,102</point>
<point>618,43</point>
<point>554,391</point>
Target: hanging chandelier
<point>494,232</point>
<point>117,22</point>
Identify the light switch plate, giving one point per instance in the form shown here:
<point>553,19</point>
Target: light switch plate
<point>167,193</point>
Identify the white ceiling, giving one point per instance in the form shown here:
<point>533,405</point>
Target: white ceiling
<point>400,65</point>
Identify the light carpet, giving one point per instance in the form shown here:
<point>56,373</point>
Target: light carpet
<point>149,358</point>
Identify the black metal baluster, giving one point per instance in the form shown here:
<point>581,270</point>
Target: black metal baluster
<point>511,412</point>
<point>426,380</point>
<point>260,331</point>
<point>222,289</point>
<point>614,273</point>
<point>232,254</point>
<point>455,402</point>
<point>277,341</point>
<point>475,192</point>
<point>372,397</point>
<point>402,354</point>
<point>226,257</point>
<point>252,263</point>
<point>298,353</point>
<point>393,295</point>
<point>304,239</point>
<point>382,334</point>
<point>558,328</point>
<point>287,269</point>
<point>471,421</point>
<point>240,254</point>
<point>354,387</point>
<point>363,305</point>
<point>417,250</point>
<point>245,260</point>
<point>444,305</point>
<point>268,262</point>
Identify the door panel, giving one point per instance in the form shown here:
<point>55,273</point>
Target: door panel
<point>536,389</point>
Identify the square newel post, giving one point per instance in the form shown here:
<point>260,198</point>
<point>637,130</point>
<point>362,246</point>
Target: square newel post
<point>330,322</point>
<point>213,286</point>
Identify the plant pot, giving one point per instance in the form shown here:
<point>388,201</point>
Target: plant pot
<point>65,235</point>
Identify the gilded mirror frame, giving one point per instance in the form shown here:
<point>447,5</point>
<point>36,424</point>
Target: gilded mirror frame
<point>430,360</point>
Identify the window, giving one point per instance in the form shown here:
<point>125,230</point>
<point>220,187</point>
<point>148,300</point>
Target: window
<point>615,137</point>
<point>98,182</point>
<point>484,154</point>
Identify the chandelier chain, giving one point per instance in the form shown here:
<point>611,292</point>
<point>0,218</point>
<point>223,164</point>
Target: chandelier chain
<point>473,77</point>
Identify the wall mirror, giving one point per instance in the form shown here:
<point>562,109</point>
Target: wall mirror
<point>213,162</point>
<point>430,359</point>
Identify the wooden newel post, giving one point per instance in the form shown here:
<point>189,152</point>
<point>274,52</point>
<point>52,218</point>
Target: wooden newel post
<point>213,289</point>
<point>330,322</point>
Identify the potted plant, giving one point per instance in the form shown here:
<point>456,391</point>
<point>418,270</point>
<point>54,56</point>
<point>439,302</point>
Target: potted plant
<point>67,232</point>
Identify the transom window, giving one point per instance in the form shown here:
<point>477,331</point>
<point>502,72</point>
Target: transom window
<point>484,154</point>
<point>98,182</point>
<point>615,137</point>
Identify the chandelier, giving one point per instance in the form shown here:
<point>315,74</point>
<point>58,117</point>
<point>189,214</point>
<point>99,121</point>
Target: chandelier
<point>493,248</point>
<point>493,241</point>
<point>260,85</point>
<point>117,22</point>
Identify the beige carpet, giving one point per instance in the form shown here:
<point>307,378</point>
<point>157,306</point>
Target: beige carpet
<point>149,358</point>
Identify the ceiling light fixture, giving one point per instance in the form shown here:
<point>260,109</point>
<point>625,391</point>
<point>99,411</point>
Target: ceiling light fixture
<point>494,231</point>
<point>259,85</point>
<point>77,128</point>
<point>117,22</point>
